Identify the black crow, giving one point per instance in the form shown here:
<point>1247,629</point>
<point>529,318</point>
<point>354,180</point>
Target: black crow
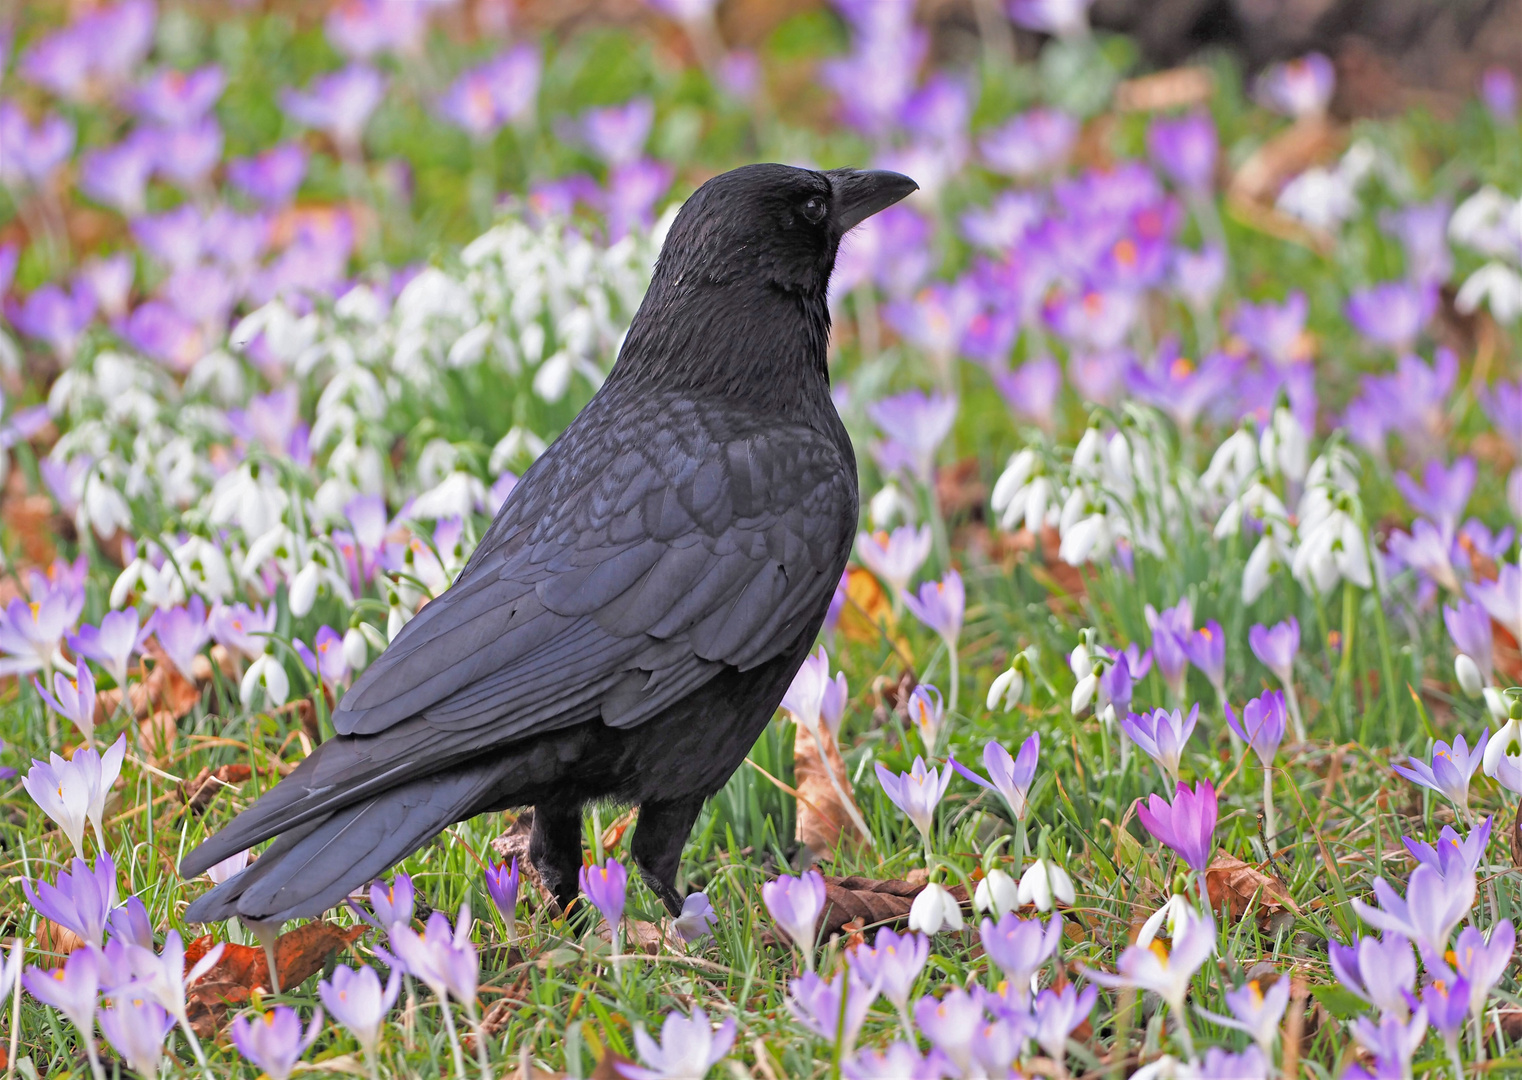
<point>633,616</point>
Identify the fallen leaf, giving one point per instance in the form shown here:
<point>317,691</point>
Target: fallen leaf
<point>1236,884</point>
<point>163,690</point>
<point>1175,88</point>
<point>824,817</point>
<point>1254,189</point>
<point>867,607</point>
<point>200,790</point>
<point>873,902</point>
<point>613,835</point>
<point>299,955</point>
<point>59,940</point>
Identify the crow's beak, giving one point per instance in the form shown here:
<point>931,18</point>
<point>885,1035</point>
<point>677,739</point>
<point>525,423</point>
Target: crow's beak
<point>859,194</point>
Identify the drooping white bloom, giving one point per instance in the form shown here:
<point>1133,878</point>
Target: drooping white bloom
<point>1044,882</point>
<point>935,909</point>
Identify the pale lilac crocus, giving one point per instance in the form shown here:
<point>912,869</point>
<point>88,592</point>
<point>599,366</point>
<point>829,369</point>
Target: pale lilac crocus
<point>1498,90</point>
<point>795,904</point>
<point>30,633</point>
<point>689,1046</point>
<point>617,133</point>
<point>340,104</point>
<point>165,977</point>
<point>1442,493</point>
<point>182,633</point>
<point>1426,915</point>
<point>1393,314</point>
<point>1255,1011</point>
<point>899,1059</point>
<point>63,791</point>
<point>136,1027</point>
<point>894,558</point>
<point>1450,771</point>
<point>1010,776</point>
<point>1276,647</point>
<point>917,793</point>
<point>1186,148</point>
<point>1502,598</point>
<point>1451,855</point>
<point>926,711</point>
<point>1020,948</point>
<point>271,177</point>
<point>607,887</point>
<point>917,424</point>
<point>392,902</point>
<point>1482,963</point>
<point>274,1041</point>
<point>814,696</point>
<point>1162,735</point>
<point>80,902</point>
<point>447,962</point>
<point>1058,1014</point>
<point>73,699</point>
<point>1206,649</point>
<point>1381,972</point>
<point>892,963</point>
<point>1170,628</point>
<point>1187,825</point>
<point>1165,972</point>
<point>1301,88</point>
<point>697,919</point>
<point>1470,628</point>
<point>71,988</point>
<point>941,605</point>
<point>1393,1041</point>
<point>326,659</point>
<point>817,1004</point>
<point>951,1023</point>
<point>356,999</point>
<point>1261,725</point>
<point>114,643</point>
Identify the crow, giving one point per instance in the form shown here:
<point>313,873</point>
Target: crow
<point>642,600</point>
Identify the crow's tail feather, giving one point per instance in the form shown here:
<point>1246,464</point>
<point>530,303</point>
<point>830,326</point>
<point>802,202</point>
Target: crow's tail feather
<point>313,867</point>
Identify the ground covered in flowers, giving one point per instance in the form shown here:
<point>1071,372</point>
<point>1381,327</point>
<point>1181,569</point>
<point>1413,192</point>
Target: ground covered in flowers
<point>1160,725</point>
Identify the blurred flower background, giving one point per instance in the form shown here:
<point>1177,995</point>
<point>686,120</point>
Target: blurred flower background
<point>1161,724</point>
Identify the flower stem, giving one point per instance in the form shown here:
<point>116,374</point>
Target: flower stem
<point>951,701</point>
<point>483,1061</point>
<point>1292,699</point>
<point>454,1038</point>
<point>1270,826</point>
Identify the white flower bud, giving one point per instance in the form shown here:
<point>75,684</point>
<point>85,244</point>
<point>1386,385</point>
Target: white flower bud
<point>1009,688</point>
<point>356,653</point>
<point>267,674</point>
<point>1468,673</point>
<point>1044,882</point>
<point>303,591</point>
<point>1083,693</point>
<point>1496,703</point>
<point>997,893</point>
<point>376,639</point>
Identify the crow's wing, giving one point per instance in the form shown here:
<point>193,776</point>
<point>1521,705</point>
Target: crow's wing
<point>648,547</point>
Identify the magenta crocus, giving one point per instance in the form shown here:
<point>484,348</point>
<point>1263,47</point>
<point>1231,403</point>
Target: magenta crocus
<point>502,883</point>
<point>1187,825</point>
<point>607,887</point>
<point>274,1041</point>
<point>1162,734</point>
<point>1011,776</point>
<point>1186,150</point>
<point>1450,770</point>
<point>1261,725</point>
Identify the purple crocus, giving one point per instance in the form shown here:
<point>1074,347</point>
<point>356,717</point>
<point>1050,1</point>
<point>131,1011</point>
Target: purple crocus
<point>1380,972</point>
<point>81,901</point>
<point>617,133</point>
<point>1261,725</point>
<point>940,605</point>
<point>1187,825</point>
<point>326,659</point>
<point>178,98</point>
<point>1020,948</point>
<point>182,633</point>
<point>1010,776</point>
<point>271,177</point>
<point>1482,963</point>
<point>497,92</point>
<point>136,1026</point>
<point>274,1041</point>
<point>443,958</point>
<point>951,1023</point>
<point>1062,18</point>
<point>1206,649</point>
<point>186,155</point>
<point>393,902</point>
<point>1392,314</point>
<point>633,188</point>
<point>356,999</point>
<point>1426,915</point>
<point>1170,628</point>
<point>31,154</point>
<point>1031,390</point>
<point>502,884</point>
<point>1501,598</point>
<point>1451,856</point>
<point>697,919</point>
<point>1498,90</point>
<point>1199,275</point>
<point>1393,1041</point>
<point>916,792</point>
<point>112,645</point>
<point>892,963</point>
<point>71,988</point>
<point>607,887</point>
<point>1275,646</point>
<point>795,904</point>
<point>916,424</point>
<point>340,104</point>
<point>1186,149</point>
<point>364,28</point>
<point>1422,229</point>
<point>54,316</point>
<point>1450,770</point>
<point>117,176</point>
<point>1443,492</point>
<point>1162,734</point>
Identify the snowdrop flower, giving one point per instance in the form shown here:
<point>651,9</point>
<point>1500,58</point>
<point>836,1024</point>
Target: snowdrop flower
<point>1043,883</point>
<point>688,1048</point>
<point>1284,447</point>
<point>1084,671</point>
<point>1008,686</point>
<point>997,893</point>
<point>1502,759</point>
<point>1332,549</point>
<point>1023,493</point>
<point>265,674</point>
<point>935,909</point>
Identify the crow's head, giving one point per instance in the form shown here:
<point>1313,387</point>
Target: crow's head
<point>772,225</point>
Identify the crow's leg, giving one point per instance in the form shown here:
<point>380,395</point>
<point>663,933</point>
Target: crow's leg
<point>555,848</point>
<point>659,839</point>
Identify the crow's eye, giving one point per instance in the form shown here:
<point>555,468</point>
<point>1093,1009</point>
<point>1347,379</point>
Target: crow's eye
<point>814,209</point>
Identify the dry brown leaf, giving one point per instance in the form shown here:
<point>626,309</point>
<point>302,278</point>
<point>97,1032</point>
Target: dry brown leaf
<point>867,608</point>
<point>164,690</point>
<point>200,790</point>
<point>1175,88</point>
<point>242,969</point>
<point>1230,881</point>
<point>58,940</point>
<point>824,818</point>
<point>1255,186</point>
